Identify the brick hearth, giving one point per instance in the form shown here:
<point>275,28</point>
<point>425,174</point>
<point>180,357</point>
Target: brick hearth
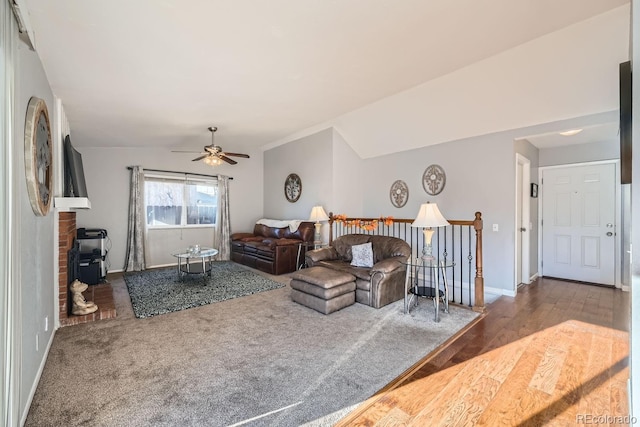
<point>101,294</point>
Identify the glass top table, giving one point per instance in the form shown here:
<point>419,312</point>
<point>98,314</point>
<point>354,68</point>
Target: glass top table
<point>417,271</point>
<point>185,266</point>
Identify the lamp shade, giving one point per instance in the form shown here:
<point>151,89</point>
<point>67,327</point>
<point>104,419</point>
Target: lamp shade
<point>429,216</point>
<point>318,214</point>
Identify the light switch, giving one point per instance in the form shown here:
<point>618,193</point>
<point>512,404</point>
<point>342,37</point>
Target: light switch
<point>495,227</point>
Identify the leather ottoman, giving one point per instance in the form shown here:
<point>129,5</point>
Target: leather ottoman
<point>323,289</point>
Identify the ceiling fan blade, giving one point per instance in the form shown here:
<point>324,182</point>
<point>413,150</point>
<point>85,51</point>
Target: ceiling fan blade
<point>226,159</point>
<point>199,158</point>
<point>246,156</point>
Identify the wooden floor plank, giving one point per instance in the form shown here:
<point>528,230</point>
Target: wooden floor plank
<point>569,381</point>
<point>466,411</point>
<point>395,417</point>
<point>504,361</point>
<point>619,401</point>
<point>451,393</point>
<point>504,407</point>
<point>557,350</point>
<point>595,397</point>
<point>546,376</point>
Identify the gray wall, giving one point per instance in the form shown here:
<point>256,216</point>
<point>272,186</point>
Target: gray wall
<point>163,243</point>
<point>580,153</point>
<point>348,182</point>
<point>331,174</point>
<point>480,177</point>
<point>360,187</point>
<point>36,242</point>
<point>309,157</point>
<point>480,174</point>
<point>108,186</point>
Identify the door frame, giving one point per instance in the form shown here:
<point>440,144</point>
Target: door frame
<point>617,265</point>
<point>522,199</point>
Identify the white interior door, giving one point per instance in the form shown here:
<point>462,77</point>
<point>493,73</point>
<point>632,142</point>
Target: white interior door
<point>578,223</point>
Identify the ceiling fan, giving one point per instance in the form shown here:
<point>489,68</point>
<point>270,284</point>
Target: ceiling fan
<point>213,154</point>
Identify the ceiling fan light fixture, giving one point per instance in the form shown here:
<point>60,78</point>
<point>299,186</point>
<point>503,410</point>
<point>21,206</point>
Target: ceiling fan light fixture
<point>570,132</point>
<point>212,161</point>
<point>213,155</point>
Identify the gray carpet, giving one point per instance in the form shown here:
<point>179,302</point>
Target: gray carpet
<point>232,362</point>
<point>162,291</point>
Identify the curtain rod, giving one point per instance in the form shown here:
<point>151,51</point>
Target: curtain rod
<point>182,173</point>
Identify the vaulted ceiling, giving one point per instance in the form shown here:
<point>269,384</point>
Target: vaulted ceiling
<point>159,72</point>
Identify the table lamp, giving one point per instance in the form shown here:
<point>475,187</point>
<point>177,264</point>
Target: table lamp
<point>318,214</point>
<point>428,217</point>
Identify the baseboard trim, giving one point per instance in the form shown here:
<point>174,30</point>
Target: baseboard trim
<point>499,291</point>
<point>534,277</point>
<point>121,270</point>
<point>162,265</point>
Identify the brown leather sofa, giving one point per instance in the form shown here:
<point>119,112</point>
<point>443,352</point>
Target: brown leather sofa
<point>376,286</point>
<point>270,249</point>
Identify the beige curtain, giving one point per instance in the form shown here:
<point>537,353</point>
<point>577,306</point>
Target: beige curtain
<point>222,233</point>
<point>135,258</point>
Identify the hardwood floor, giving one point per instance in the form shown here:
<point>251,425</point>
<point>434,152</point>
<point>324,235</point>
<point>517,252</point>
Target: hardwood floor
<point>556,354</point>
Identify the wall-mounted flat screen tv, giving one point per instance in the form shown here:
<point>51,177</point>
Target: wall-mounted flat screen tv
<point>74,183</point>
<point>625,122</point>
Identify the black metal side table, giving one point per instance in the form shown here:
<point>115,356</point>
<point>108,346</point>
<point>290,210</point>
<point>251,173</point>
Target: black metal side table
<point>301,263</point>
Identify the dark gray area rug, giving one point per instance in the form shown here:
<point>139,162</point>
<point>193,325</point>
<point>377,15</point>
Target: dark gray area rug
<point>162,291</point>
<point>259,360</point>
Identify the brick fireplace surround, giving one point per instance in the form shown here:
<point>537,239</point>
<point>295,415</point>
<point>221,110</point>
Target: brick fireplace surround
<point>101,294</point>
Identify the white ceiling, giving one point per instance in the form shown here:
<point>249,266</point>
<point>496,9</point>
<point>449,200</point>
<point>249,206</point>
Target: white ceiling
<point>159,72</point>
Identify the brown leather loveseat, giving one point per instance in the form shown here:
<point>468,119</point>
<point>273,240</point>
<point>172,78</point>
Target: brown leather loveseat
<point>377,285</point>
<point>274,250</point>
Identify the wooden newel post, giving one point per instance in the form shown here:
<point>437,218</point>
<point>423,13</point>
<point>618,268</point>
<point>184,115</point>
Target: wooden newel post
<point>479,280</point>
<point>330,228</point>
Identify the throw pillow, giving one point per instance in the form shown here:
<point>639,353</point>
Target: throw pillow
<point>362,255</point>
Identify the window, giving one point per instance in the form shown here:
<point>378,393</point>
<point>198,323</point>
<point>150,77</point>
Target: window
<point>180,202</point>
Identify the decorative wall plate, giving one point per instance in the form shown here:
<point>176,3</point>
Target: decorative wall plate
<point>292,187</point>
<point>399,194</point>
<point>38,156</point>
<point>434,179</point>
